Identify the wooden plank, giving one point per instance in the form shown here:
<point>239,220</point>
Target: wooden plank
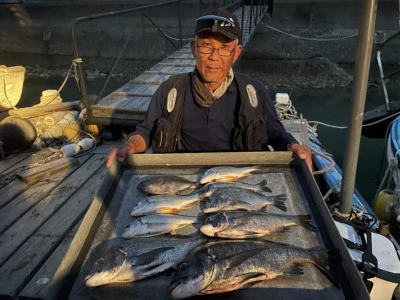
<point>164,70</point>
<point>173,64</point>
<point>147,90</point>
<point>85,234</point>
<point>110,114</point>
<point>130,94</point>
<point>43,171</point>
<point>38,285</point>
<point>35,111</point>
<point>66,215</point>
<point>57,225</point>
<point>180,55</point>
<point>19,206</point>
<point>12,160</point>
<point>23,260</point>
<point>121,103</point>
<point>16,235</point>
<point>151,78</point>
<point>14,187</point>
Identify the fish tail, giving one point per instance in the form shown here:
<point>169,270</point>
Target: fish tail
<point>306,221</point>
<point>263,186</point>
<point>279,202</point>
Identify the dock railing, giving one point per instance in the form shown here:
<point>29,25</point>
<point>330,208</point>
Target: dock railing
<point>257,10</point>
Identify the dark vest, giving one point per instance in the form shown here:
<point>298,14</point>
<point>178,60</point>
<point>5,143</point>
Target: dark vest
<point>250,128</point>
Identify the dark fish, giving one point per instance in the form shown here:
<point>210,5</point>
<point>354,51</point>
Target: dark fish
<point>167,185</point>
<point>223,266</point>
<point>246,224</point>
<point>212,187</point>
<point>139,259</point>
<point>226,199</point>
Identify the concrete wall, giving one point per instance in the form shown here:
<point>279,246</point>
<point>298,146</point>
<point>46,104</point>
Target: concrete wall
<point>39,31</point>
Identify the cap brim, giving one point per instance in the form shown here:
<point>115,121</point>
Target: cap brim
<point>229,35</point>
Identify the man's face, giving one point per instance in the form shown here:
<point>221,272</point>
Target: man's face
<point>214,67</point>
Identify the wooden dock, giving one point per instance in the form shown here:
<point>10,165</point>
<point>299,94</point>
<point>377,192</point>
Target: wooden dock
<point>129,103</point>
<point>39,219</point>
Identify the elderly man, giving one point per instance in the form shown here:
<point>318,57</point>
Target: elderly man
<point>211,108</point>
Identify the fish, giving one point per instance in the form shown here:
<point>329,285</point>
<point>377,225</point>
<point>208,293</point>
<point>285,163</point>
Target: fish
<point>241,199</point>
<point>157,224</point>
<point>138,259</point>
<point>227,265</point>
<point>164,204</point>
<point>167,185</point>
<point>226,174</point>
<point>245,224</point>
<point>211,187</point>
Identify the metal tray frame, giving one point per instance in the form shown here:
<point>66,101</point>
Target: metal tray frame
<point>350,281</point>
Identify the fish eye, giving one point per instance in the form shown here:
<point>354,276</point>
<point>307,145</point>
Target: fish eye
<point>99,261</point>
<point>183,265</point>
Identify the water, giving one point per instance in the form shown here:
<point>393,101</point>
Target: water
<point>330,105</point>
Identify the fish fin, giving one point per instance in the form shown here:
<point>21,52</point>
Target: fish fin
<point>166,210</point>
<point>263,186</point>
<point>153,270</point>
<point>306,221</point>
<point>239,282</point>
<point>238,202</point>
<point>279,202</point>
<point>186,191</point>
<point>239,258</point>
<point>148,257</point>
<point>295,269</point>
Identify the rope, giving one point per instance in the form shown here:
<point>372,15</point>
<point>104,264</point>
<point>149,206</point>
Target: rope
<point>286,111</point>
<point>73,65</point>
<point>330,191</point>
<point>309,39</point>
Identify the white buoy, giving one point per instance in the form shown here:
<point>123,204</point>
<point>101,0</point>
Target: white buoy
<point>70,150</point>
<point>86,144</point>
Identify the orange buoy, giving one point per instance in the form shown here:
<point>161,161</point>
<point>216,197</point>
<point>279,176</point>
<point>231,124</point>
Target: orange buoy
<point>71,131</point>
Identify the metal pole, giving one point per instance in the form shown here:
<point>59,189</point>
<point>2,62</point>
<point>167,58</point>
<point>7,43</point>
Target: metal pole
<point>360,84</point>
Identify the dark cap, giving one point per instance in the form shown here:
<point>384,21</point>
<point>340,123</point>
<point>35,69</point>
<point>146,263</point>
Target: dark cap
<point>222,21</point>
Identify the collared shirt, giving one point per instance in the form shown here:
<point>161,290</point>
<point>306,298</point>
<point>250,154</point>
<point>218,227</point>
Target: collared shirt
<point>212,128</point>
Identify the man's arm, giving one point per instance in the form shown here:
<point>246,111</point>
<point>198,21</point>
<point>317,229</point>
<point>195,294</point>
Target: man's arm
<point>139,140</point>
<point>135,144</point>
<point>278,137</point>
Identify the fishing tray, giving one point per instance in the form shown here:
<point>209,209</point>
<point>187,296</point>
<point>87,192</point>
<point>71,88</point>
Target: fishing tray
<point>109,214</point>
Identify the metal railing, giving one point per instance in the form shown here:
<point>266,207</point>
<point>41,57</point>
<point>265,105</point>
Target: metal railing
<point>257,10</point>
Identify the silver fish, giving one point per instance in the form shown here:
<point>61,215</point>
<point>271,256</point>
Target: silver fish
<point>167,185</point>
<point>223,266</point>
<point>139,259</point>
<point>239,224</point>
<point>164,204</point>
<point>241,199</point>
<point>212,187</point>
<point>226,173</point>
<point>153,225</point>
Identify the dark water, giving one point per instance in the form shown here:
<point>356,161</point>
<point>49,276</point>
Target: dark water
<point>328,105</point>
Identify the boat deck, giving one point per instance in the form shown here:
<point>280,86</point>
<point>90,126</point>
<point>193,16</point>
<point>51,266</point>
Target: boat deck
<point>130,101</point>
<point>39,218</point>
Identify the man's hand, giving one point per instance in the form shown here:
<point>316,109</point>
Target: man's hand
<point>135,144</point>
<point>300,152</point>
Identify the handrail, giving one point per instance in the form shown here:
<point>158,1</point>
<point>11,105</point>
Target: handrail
<point>240,3</point>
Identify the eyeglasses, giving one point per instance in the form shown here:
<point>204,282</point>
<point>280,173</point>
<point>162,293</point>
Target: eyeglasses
<point>208,49</point>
